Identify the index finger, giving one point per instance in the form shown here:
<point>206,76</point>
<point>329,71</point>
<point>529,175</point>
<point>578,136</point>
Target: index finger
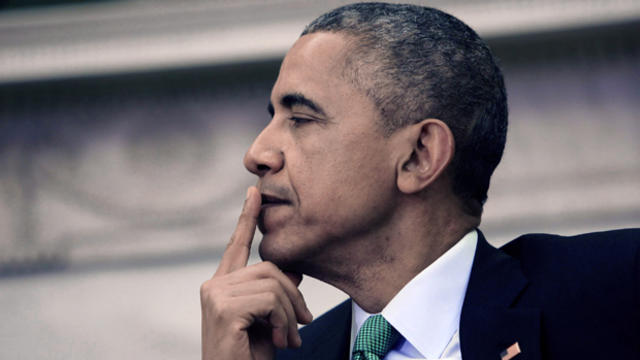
<point>237,253</point>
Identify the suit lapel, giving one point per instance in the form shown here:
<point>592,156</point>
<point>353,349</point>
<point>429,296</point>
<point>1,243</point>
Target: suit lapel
<point>331,342</point>
<point>489,322</point>
<point>326,338</point>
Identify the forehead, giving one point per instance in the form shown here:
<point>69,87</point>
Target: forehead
<point>314,67</point>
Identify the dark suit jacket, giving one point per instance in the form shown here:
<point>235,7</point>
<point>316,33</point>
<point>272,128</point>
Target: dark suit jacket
<point>558,297</point>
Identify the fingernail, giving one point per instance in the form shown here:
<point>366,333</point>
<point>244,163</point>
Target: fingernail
<point>248,193</point>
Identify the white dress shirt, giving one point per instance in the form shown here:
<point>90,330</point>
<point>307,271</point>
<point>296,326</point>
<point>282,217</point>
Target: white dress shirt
<point>426,311</point>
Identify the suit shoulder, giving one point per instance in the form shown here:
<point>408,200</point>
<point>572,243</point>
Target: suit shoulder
<point>597,244</point>
<point>582,265</point>
<point>586,287</point>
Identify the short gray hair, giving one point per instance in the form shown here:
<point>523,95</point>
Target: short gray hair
<point>417,62</point>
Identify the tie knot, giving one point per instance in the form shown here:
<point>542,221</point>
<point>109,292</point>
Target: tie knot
<point>375,338</point>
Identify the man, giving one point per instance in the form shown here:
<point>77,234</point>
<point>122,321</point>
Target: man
<point>387,123</point>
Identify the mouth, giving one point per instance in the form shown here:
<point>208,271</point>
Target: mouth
<point>271,200</point>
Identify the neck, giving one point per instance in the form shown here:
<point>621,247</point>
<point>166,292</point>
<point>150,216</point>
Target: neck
<point>377,266</point>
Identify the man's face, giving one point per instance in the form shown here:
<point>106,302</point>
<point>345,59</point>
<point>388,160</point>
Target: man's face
<point>325,169</point>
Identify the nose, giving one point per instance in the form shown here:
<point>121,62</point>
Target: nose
<point>265,155</point>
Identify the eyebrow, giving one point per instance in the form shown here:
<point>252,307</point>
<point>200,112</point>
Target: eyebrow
<point>297,99</point>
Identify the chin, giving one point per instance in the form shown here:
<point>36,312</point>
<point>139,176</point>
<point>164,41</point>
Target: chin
<point>286,255</point>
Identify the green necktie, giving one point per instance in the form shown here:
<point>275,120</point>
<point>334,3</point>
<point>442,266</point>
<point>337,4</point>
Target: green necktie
<point>375,338</point>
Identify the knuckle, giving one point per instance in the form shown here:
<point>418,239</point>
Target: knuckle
<point>244,216</point>
<point>204,290</point>
<point>272,285</point>
<point>272,298</point>
<point>235,241</point>
<point>238,328</point>
<point>270,267</point>
<point>278,320</point>
<point>260,268</point>
<point>232,240</point>
<point>209,292</point>
<point>219,308</point>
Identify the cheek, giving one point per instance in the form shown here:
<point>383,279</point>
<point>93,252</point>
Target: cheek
<point>340,175</point>
<point>336,190</point>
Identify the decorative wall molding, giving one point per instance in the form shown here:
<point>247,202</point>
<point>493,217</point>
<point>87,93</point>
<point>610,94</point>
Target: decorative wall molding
<point>130,36</point>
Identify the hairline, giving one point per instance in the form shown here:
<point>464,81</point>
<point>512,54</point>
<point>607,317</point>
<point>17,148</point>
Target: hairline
<point>352,70</point>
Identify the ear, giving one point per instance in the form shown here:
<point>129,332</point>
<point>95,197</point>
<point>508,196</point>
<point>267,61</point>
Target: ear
<point>431,150</point>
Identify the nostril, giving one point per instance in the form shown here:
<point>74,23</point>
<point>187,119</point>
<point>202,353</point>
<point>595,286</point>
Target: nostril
<point>263,168</point>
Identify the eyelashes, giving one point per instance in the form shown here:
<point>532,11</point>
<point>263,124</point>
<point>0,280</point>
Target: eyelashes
<point>298,121</point>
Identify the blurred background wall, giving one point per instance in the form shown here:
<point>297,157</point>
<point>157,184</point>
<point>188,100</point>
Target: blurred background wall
<point>123,125</point>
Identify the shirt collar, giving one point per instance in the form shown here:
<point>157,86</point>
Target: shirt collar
<point>426,311</point>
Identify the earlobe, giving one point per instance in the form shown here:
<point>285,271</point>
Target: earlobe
<point>432,149</point>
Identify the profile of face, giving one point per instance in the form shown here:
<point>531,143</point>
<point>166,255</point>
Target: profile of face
<point>327,173</point>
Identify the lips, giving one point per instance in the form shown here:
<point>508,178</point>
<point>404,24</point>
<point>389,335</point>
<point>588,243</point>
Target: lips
<point>273,220</point>
<point>272,200</point>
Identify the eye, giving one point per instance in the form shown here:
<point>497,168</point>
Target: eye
<point>298,121</point>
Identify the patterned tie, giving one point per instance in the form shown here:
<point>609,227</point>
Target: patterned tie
<point>375,338</point>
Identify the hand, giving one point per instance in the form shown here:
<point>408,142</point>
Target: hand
<point>247,311</point>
